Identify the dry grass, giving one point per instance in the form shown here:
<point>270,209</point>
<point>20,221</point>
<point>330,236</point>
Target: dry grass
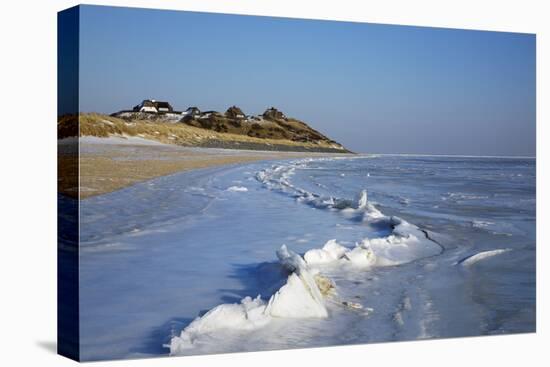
<point>173,133</point>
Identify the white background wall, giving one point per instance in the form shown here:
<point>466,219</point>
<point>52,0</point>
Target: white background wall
<point>28,181</point>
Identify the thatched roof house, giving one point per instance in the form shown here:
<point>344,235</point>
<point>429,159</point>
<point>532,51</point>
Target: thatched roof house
<point>235,112</point>
<point>163,106</point>
<point>192,111</point>
<point>146,106</point>
<point>207,114</point>
<point>273,113</point>
<point>153,106</point>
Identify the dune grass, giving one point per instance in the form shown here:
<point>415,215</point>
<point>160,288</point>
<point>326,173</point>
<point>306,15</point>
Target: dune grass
<point>93,124</point>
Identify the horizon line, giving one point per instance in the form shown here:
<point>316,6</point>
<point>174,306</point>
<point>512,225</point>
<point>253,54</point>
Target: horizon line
<point>453,155</point>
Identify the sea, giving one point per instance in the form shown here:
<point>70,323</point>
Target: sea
<point>413,247</point>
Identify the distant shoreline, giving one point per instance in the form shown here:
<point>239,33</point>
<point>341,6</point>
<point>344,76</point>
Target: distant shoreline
<point>452,155</point>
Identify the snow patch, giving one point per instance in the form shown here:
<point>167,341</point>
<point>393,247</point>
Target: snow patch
<point>237,189</point>
<point>471,260</point>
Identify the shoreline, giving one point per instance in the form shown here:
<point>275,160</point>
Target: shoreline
<point>111,164</point>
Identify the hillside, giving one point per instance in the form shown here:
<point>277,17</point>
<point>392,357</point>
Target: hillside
<point>273,124</point>
<point>270,131</point>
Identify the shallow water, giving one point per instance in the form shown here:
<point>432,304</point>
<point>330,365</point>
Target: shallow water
<point>156,255</point>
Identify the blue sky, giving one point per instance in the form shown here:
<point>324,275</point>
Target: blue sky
<point>373,88</point>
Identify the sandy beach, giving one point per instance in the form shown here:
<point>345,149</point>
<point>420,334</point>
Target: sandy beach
<point>109,164</point>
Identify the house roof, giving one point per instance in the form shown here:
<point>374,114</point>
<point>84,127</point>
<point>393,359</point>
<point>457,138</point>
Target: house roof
<point>148,103</point>
<point>159,104</point>
<point>234,111</point>
<point>272,112</point>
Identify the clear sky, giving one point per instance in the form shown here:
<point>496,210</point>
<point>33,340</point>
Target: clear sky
<point>373,88</point>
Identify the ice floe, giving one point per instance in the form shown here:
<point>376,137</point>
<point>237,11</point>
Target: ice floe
<point>307,290</point>
<point>301,297</point>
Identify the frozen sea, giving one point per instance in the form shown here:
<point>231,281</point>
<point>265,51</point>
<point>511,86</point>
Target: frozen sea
<point>159,254</point>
